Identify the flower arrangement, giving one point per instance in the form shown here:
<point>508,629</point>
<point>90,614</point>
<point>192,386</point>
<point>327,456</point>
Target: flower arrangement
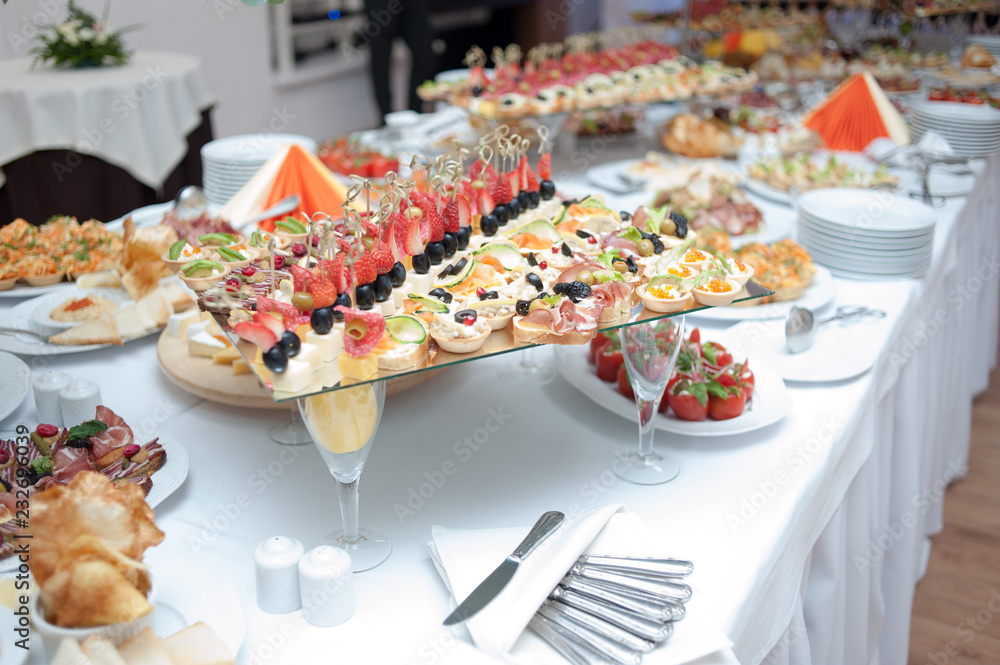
<point>82,40</point>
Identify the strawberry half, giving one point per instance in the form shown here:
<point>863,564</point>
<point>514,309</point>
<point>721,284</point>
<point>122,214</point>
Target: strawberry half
<point>364,268</point>
<point>362,330</point>
<point>532,179</point>
<point>256,333</point>
<point>464,212</point>
<point>324,293</point>
<point>545,167</point>
<point>502,192</point>
<point>428,204</point>
<point>288,312</point>
<point>522,172</point>
<point>384,260</point>
<point>514,178</point>
<point>270,321</point>
<point>451,216</point>
<point>413,243</point>
<point>486,203</point>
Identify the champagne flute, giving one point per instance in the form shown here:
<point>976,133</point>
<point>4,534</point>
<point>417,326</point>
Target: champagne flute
<point>527,372</point>
<point>650,351</point>
<point>343,425</point>
<point>291,432</point>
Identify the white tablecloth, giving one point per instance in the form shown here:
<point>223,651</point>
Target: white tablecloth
<point>136,117</point>
<point>808,536</point>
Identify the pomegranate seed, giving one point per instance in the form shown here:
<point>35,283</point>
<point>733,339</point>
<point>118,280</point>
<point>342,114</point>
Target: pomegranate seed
<point>543,265</point>
<point>234,282</point>
<point>4,457</point>
<point>469,320</point>
<point>592,240</point>
<point>130,450</point>
<point>555,250</point>
<point>249,271</point>
<point>298,249</point>
<point>315,241</point>
<point>481,291</point>
<point>47,430</point>
<point>279,262</point>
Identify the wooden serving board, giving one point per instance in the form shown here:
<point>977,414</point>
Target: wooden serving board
<point>205,379</point>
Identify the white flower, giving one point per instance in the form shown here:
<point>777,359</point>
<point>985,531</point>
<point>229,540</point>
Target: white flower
<point>66,30</point>
<point>72,40</point>
<point>101,37</point>
<point>86,34</point>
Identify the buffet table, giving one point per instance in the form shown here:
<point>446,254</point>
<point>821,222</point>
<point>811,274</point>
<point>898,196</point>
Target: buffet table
<point>98,143</point>
<point>808,536</point>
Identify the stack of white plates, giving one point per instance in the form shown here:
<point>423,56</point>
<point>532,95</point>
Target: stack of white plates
<point>229,163</point>
<point>989,42</point>
<point>867,234</point>
<point>972,130</point>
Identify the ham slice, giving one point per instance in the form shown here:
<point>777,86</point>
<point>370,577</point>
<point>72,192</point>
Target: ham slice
<point>570,274</point>
<point>609,240</point>
<point>67,462</point>
<point>609,293</point>
<point>117,435</point>
<point>640,219</point>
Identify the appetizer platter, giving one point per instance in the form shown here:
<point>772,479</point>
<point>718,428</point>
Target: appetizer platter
<point>709,394</point>
<point>774,177</point>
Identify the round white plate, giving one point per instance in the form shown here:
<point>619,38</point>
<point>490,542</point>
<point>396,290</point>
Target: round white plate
<point>942,183</point>
<point>762,189</point>
<point>873,212</point>
<point>15,384</point>
<point>44,305</point>
<point>958,113</point>
<point>22,290</point>
<point>865,235</point>
<point>771,400</point>
<point>839,353</point>
<point>251,148</point>
<point>199,596</point>
<point>19,316</point>
<point>861,246</point>
<point>864,263</point>
<point>820,293</point>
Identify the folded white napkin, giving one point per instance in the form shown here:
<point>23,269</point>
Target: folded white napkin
<point>465,558</point>
<point>883,148</point>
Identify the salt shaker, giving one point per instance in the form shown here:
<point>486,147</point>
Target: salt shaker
<point>327,586</point>
<point>79,400</point>
<point>46,389</point>
<point>276,566</point>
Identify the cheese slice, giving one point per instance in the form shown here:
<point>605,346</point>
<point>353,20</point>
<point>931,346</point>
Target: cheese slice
<point>204,345</point>
<point>422,284</point>
<point>310,354</point>
<point>128,323</point>
<point>178,323</point>
<point>399,293</point>
<point>102,651</point>
<point>179,298</point>
<point>330,345</point>
<point>388,307</point>
<point>240,367</point>
<point>197,645</point>
<point>227,356</point>
<point>194,328</point>
<point>296,377</point>
<point>361,368</point>
<point>144,649</point>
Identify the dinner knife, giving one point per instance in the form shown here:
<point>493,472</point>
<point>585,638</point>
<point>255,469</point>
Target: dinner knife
<point>675,607</point>
<point>669,568</point>
<point>664,589</point>
<point>647,608</point>
<point>489,588</point>
<point>601,626</point>
<point>568,646</point>
<point>616,653</point>
<point>653,631</point>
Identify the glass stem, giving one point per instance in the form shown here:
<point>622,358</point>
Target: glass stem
<point>647,411</point>
<point>528,357</point>
<point>348,494</point>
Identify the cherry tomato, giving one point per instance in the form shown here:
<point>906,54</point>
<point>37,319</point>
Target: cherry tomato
<point>695,336</point>
<point>686,406</point>
<point>600,339</point>
<point>748,381</point>
<point>623,383</point>
<point>608,360</point>
<point>724,408</point>
<point>722,357</point>
<point>379,166</point>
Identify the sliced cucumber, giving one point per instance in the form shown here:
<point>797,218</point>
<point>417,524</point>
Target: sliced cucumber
<point>217,239</point>
<point>430,304</point>
<point>176,249</point>
<point>230,254</point>
<point>541,228</point>
<point>406,329</point>
<point>291,225</point>
<point>460,277</point>
<point>504,251</point>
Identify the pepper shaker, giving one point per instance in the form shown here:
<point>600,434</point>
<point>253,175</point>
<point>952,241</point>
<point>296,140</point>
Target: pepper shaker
<point>327,586</point>
<point>79,400</point>
<point>276,566</point>
<point>46,389</point>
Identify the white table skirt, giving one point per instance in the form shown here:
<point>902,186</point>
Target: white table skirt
<point>785,584</point>
<point>136,117</point>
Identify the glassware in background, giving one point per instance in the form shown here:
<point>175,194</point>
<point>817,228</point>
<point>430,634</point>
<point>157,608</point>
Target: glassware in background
<point>528,372</point>
<point>958,32</point>
<point>343,425</point>
<point>291,432</point>
<point>650,351</point>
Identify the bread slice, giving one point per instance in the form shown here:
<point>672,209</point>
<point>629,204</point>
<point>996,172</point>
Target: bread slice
<point>102,651</point>
<point>101,330</point>
<point>144,649</point>
<point>157,307</point>
<point>128,323</point>
<point>70,653</point>
<point>93,280</point>
<point>197,645</point>
<point>178,297</point>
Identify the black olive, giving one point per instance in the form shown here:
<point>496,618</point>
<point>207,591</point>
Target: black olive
<point>421,264</point>
<point>477,90</point>
<point>580,233</point>
<point>447,271</point>
<point>435,252</point>
<point>460,266</point>
<point>489,225</point>
<point>489,295</point>
<point>441,295</point>
<point>462,237</point>
<point>532,261</point>
<point>534,199</point>
<point>575,291</point>
<point>78,443</point>
<point>397,275</point>
<point>450,243</point>
<point>625,215</point>
<point>291,343</point>
<point>275,359</point>
<point>566,251</point>
<point>632,267</point>
<point>322,319</point>
<point>343,300</point>
<point>502,213</point>
<point>364,296</point>
<point>383,288</point>
<point>462,315</point>
<point>548,189</point>
<point>521,307</point>
<point>534,280</point>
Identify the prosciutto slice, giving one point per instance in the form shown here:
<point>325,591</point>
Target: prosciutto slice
<point>609,240</point>
<point>560,320</point>
<point>67,462</point>
<point>570,274</point>
<point>117,435</point>
<point>609,293</point>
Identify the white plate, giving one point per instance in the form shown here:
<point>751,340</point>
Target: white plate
<point>771,400</point>
<point>44,305</point>
<point>251,148</point>
<point>860,245</point>
<point>762,189</point>
<point>199,596</point>
<point>820,293</point>
<point>942,183</point>
<point>872,212</point>
<point>15,384</point>
<point>19,316</point>
<point>839,353</point>
<point>859,234</point>
<point>957,113</point>
<point>22,290</point>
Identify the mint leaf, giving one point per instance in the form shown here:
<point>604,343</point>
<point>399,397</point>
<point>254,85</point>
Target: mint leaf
<point>700,392</point>
<point>713,387</point>
<point>86,430</point>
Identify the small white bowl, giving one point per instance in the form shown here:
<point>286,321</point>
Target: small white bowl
<point>118,633</point>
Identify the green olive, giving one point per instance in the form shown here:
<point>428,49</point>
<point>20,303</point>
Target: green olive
<point>645,247</point>
<point>368,242</point>
<point>586,277</point>
<point>620,266</point>
<point>537,304</point>
<point>667,227</point>
<point>302,301</point>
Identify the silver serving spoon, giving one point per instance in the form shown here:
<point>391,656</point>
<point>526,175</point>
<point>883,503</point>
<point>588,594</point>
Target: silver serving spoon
<point>190,202</point>
<point>801,325</point>
<point>287,204</point>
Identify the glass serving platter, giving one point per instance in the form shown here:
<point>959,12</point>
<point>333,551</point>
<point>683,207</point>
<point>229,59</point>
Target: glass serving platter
<point>498,343</point>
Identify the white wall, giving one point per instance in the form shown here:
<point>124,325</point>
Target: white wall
<point>233,42</point>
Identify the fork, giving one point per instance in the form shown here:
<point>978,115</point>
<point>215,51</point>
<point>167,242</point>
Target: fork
<point>18,331</point>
